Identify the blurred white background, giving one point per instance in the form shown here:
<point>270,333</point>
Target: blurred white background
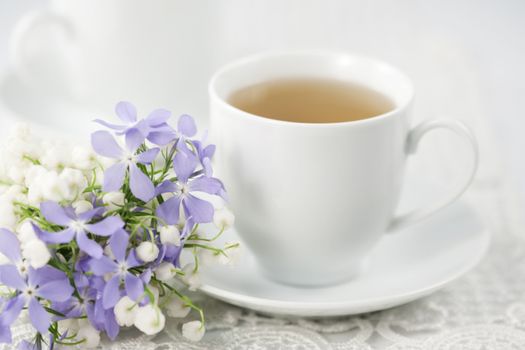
<point>467,58</point>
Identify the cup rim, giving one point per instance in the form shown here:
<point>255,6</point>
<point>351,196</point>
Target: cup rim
<point>321,53</point>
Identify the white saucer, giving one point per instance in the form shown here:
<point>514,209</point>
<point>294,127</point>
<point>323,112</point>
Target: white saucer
<point>403,267</point>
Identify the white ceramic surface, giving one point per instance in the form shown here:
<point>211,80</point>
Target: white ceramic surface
<point>158,53</point>
<point>401,268</point>
<point>312,200</point>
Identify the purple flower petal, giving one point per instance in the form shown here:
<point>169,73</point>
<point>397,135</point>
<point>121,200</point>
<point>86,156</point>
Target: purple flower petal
<point>161,136</point>
<point>88,246</point>
<point>59,290</point>
<point>175,259</point>
<point>12,310</point>
<point>200,210</point>
<point>10,277</point>
<point>158,117</point>
<point>134,286</point>
<point>186,125</point>
<point>5,334</point>
<point>206,165</point>
<point>126,112</point>
<point>169,211</point>
<point>134,138</point>
<point>10,246</point>
<point>132,260</point>
<point>109,125</point>
<point>148,157</point>
<point>119,243</point>
<point>103,265</point>
<point>40,319</point>
<point>205,184</point>
<point>188,227</point>
<point>55,214</point>
<point>140,185</point>
<point>88,215</point>
<point>208,151</point>
<point>111,294</point>
<point>104,144</point>
<point>165,187</point>
<point>146,276</point>
<point>184,164</point>
<point>110,324</point>
<point>114,177</point>
<point>106,227</point>
<point>45,274</point>
<point>64,236</point>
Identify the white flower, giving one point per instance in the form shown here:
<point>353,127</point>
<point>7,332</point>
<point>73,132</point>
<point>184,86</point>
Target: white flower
<point>36,253</point>
<point>151,320</point>
<point>223,218</point>
<point>44,184</point>
<point>83,158</point>
<point>81,206</point>
<point>126,311</point>
<point>191,277</point>
<point>165,271</point>
<point>25,232</point>
<point>177,308</point>
<point>193,330</point>
<point>8,218</point>
<point>56,155</point>
<point>17,171</point>
<point>147,251</point>
<point>88,333</point>
<point>15,193</point>
<point>69,325</point>
<point>73,182</point>
<point>113,200</point>
<point>170,235</point>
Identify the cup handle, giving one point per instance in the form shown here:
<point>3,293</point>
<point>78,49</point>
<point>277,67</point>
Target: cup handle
<point>24,31</point>
<point>413,139</point>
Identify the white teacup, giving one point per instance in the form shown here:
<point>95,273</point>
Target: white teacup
<point>312,200</point>
<point>154,53</point>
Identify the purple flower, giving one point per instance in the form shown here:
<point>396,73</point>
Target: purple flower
<point>201,211</point>
<point>119,267</point>
<point>77,227</point>
<point>205,154</point>
<point>45,283</point>
<point>76,307</point>
<point>154,127</point>
<point>141,186</point>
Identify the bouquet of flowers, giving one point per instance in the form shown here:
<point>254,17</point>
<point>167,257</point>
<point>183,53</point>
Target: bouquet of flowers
<point>91,238</point>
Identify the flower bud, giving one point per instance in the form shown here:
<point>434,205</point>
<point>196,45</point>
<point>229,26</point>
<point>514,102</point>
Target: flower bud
<point>193,330</point>
<point>113,200</point>
<point>170,235</point>
<point>126,311</point>
<point>81,206</point>
<point>165,271</point>
<point>223,218</point>
<point>177,308</point>
<point>151,320</point>
<point>147,251</point>
<point>191,277</point>
<point>36,253</point>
